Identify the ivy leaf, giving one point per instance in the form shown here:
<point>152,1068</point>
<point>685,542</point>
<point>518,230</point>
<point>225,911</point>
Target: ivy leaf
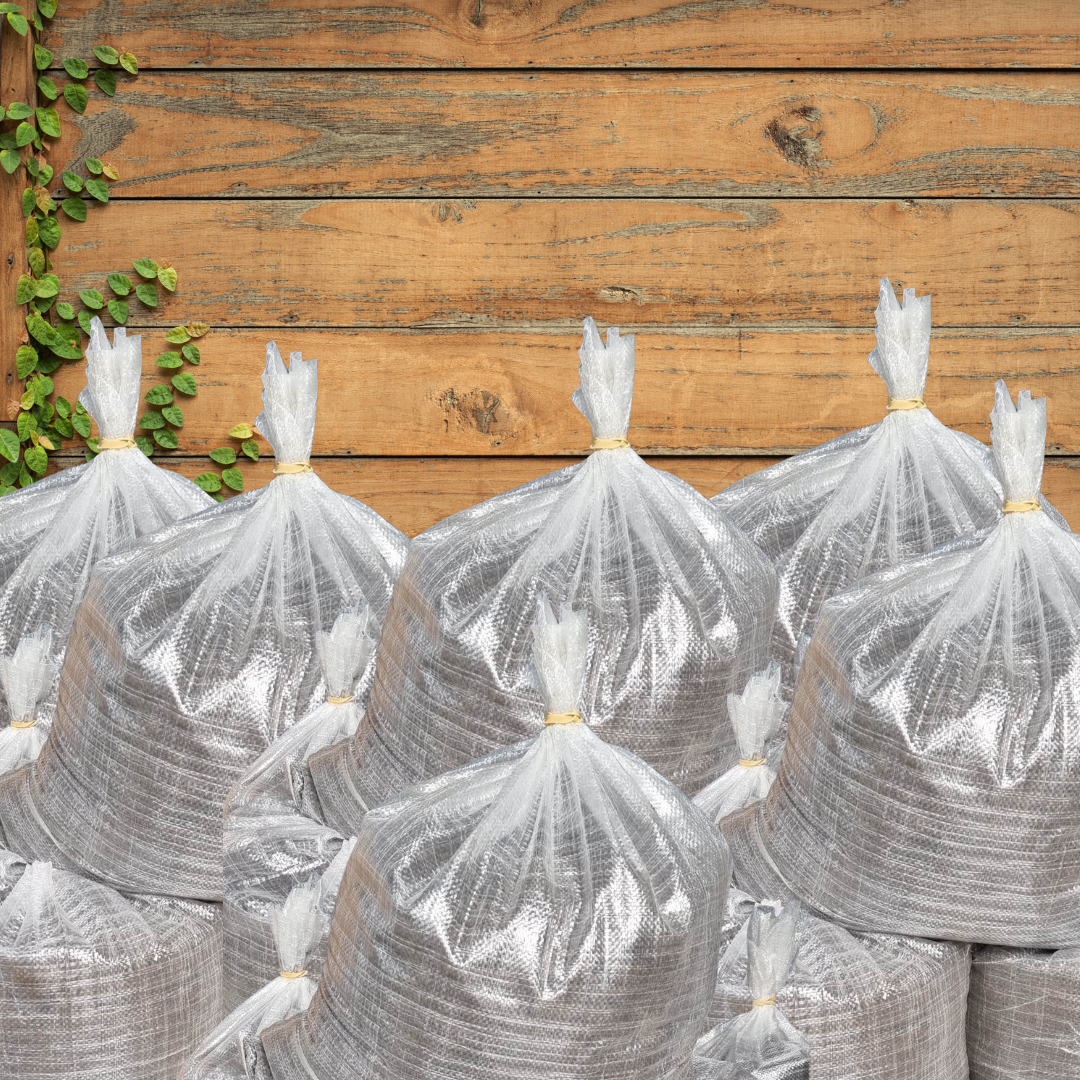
<point>43,201</point>
<point>72,182</point>
<point>42,57</point>
<point>223,455</point>
<point>25,290</point>
<point>43,303</point>
<point>24,134</point>
<point>6,7</point>
<point>36,258</point>
<point>47,8</point>
<point>159,395</point>
<point>146,268</point>
<point>197,329</point>
<point>42,388</point>
<point>251,448</point>
<point>65,311</point>
<point>151,421</point>
<point>74,207</point>
<point>76,96</point>
<point>177,336</point>
<point>37,460</point>
<point>48,87</point>
<point>129,63</point>
<point>185,383</point>
<point>92,299</point>
<point>63,426</point>
<point>167,276</point>
<point>32,166</point>
<point>67,330</point>
<point>63,407</point>
<point>234,478</point>
<point>99,189</point>
<point>93,165</point>
<point>209,482</point>
<point>107,54</point>
<point>110,171</point>
<point>49,232</point>
<point>81,423</point>
<point>76,68</point>
<point>192,354</point>
<point>24,425</point>
<point>84,321</point>
<point>9,444</point>
<point>169,360</point>
<point>9,159</point>
<point>45,175</point>
<point>29,201</point>
<point>166,438</point>
<point>19,110</point>
<point>106,81</point>
<point>119,283</point>
<point>25,360</point>
<point>49,285</point>
<point>174,414</point>
<point>18,23</point>
<point>241,431</point>
<point>148,294</point>
<point>144,444</point>
<point>28,400</point>
<point>45,441</point>
<point>119,311</point>
<point>49,121</point>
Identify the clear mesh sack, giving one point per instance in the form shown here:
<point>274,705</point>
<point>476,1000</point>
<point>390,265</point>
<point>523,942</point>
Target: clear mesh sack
<point>1024,1014</point>
<point>550,912</point>
<point>871,1007</point>
<point>679,600</point>
<point>191,653</point>
<point>99,986</point>
<point>931,780</point>
<point>54,532</point>
<point>755,716</point>
<point>233,1051</point>
<point>26,678</point>
<point>870,498</point>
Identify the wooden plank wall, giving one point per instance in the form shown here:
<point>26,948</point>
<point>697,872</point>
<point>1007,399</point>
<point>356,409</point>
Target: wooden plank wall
<point>430,195</point>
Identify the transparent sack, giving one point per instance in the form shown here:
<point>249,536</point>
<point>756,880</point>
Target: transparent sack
<point>550,912</point>
<point>191,653</point>
<point>931,780</point>
<point>871,1007</point>
<point>233,1051</point>
<point>870,498</point>
<point>54,532</point>
<point>1024,1014</point>
<point>755,715</point>
<point>100,986</point>
<point>679,600</point>
<point>26,678</point>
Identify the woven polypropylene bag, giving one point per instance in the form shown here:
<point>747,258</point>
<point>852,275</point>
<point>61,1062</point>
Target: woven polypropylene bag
<point>99,986</point>
<point>1024,1014</point>
<point>191,653</point>
<point>551,912</point>
<point>26,678</point>
<point>870,498</point>
<point>931,780</point>
<point>679,600</point>
<point>53,532</point>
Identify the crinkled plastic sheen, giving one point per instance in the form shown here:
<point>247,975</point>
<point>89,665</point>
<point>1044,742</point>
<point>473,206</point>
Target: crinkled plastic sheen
<point>1024,1014</point>
<point>551,912</point>
<point>870,498</point>
<point>98,986</point>
<point>53,532</point>
<point>191,653</point>
<point>931,780</point>
<point>679,600</point>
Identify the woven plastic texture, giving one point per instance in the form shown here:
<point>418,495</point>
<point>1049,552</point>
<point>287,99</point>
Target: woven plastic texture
<point>870,498</point>
<point>53,532</point>
<point>931,779</point>
<point>98,986</point>
<point>872,1007</point>
<point>191,653</point>
<point>26,679</point>
<point>1024,1014</point>
<point>550,912</point>
<point>232,1051</point>
<point>679,600</point>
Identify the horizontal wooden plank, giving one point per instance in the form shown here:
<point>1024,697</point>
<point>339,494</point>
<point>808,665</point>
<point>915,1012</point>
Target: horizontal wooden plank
<point>402,392</point>
<point>403,262</point>
<point>414,493</point>
<point>464,133</point>
<point>567,33</point>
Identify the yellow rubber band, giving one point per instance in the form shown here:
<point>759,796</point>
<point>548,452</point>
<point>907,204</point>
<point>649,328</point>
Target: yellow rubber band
<point>283,468</point>
<point>293,974</point>
<point>1024,507</point>
<point>341,700</point>
<point>904,404</point>
<point>20,724</point>
<point>750,763</point>
<point>758,1002</point>
<point>116,444</point>
<point>609,444</point>
<point>553,718</point>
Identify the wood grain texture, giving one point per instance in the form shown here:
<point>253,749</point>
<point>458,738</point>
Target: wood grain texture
<point>415,493</point>
<point>405,393</point>
<point>572,33</point>
<point>473,134</point>
<point>491,262</point>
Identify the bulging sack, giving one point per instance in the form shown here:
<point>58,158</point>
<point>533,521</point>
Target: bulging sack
<point>870,498</point>
<point>100,986</point>
<point>551,910</point>
<point>679,600</point>
<point>54,532</point>
<point>930,784</point>
<point>191,653</point>
<point>1024,1014</point>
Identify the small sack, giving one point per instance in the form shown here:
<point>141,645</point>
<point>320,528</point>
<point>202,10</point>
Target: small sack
<point>870,498</point>
<point>755,715</point>
<point>552,910</point>
<point>100,986</point>
<point>191,653</point>
<point>931,780</point>
<point>871,1007</point>
<point>1024,1014</point>
<point>233,1051</point>
<point>679,600</point>
<point>53,532</point>
<point>26,678</point>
